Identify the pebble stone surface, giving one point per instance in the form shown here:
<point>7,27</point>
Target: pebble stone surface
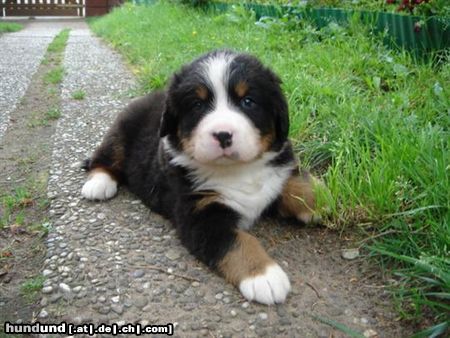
<point>116,262</point>
<point>20,55</point>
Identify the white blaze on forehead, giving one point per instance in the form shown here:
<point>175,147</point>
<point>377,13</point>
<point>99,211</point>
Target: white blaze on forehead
<point>217,71</point>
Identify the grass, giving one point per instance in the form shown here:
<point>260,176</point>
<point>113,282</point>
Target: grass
<point>13,205</point>
<point>43,119</point>
<point>59,42</point>
<point>7,27</point>
<point>54,76</point>
<point>338,326</point>
<point>30,288</point>
<point>53,114</point>
<point>54,56</point>
<point>371,121</point>
<point>78,94</point>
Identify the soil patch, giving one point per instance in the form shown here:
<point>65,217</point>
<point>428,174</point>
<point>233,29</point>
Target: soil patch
<point>25,157</point>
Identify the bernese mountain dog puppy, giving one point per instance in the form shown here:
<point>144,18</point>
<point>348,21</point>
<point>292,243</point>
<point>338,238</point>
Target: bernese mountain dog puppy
<point>211,154</point>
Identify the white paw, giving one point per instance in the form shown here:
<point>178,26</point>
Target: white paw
<point>99,186</point>
<point>268,288</point>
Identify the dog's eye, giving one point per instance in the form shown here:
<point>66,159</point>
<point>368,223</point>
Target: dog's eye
<point>247,102</point>
<point>197,104</point>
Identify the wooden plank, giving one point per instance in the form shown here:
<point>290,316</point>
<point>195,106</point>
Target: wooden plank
<point>96,3</point>
<point>95,11</point>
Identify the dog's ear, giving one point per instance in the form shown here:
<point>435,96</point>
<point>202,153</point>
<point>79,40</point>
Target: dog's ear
<point>281,111</point>
<point>168,123</point>
<point>282,118</point>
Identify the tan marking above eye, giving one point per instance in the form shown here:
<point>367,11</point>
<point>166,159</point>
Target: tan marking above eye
<point>202,92</point>
<point>241,88</point>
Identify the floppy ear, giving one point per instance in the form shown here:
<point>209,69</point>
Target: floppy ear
<point>168,123</point>
<point>281,111</point>
<point>282,118</point>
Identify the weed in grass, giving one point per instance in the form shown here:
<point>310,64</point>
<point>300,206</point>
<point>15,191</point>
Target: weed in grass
<point>372,121</point>
<point>78,94</point>
<point>31,287</point>
<point>54,76</point>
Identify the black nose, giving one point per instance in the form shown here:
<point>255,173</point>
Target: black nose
<point>224,138</point>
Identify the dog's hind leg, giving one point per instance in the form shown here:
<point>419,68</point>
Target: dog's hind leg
<point>298,198</point>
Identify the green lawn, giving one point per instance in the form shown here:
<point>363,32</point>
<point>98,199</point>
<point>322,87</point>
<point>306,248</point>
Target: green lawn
<point>6,27</point>
<point>371,121</point>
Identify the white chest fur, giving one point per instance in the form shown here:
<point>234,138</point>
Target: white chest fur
<point>248,191</point>
<point>247,188</point>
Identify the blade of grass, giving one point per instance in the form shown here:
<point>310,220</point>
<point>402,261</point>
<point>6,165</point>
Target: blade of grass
<point>339,326</point>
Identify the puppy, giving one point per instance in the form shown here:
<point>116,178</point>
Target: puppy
<point>211,154</point>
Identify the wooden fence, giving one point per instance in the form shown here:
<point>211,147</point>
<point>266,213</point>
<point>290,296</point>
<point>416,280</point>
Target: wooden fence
<point>79,8</point>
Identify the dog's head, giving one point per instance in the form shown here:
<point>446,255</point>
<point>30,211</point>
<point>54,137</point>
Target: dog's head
<point>225,108</point>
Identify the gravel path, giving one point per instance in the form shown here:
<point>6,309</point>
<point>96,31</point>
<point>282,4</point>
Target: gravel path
<point>20,55</point>
<point>116,262</point>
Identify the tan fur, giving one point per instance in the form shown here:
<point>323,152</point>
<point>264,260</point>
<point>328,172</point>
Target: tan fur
<point>118,156</point>
<point>187,144</point>
<point>241,89</point>
<point>202,92</point>
<point>246,259</point>
<point>209,197</point>
<point>297,198</point>
<point>266,141</point>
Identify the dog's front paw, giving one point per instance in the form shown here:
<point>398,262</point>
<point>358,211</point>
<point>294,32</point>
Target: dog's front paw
<point>268,288</point>
<point>99,186</point>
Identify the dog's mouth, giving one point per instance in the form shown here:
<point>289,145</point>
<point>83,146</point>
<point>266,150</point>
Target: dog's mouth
<point>231,154</point>
<point>227,158</point>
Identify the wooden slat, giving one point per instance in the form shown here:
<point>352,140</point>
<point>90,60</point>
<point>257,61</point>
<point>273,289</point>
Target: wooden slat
<point>97,3</point>
<point>95,11</point>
